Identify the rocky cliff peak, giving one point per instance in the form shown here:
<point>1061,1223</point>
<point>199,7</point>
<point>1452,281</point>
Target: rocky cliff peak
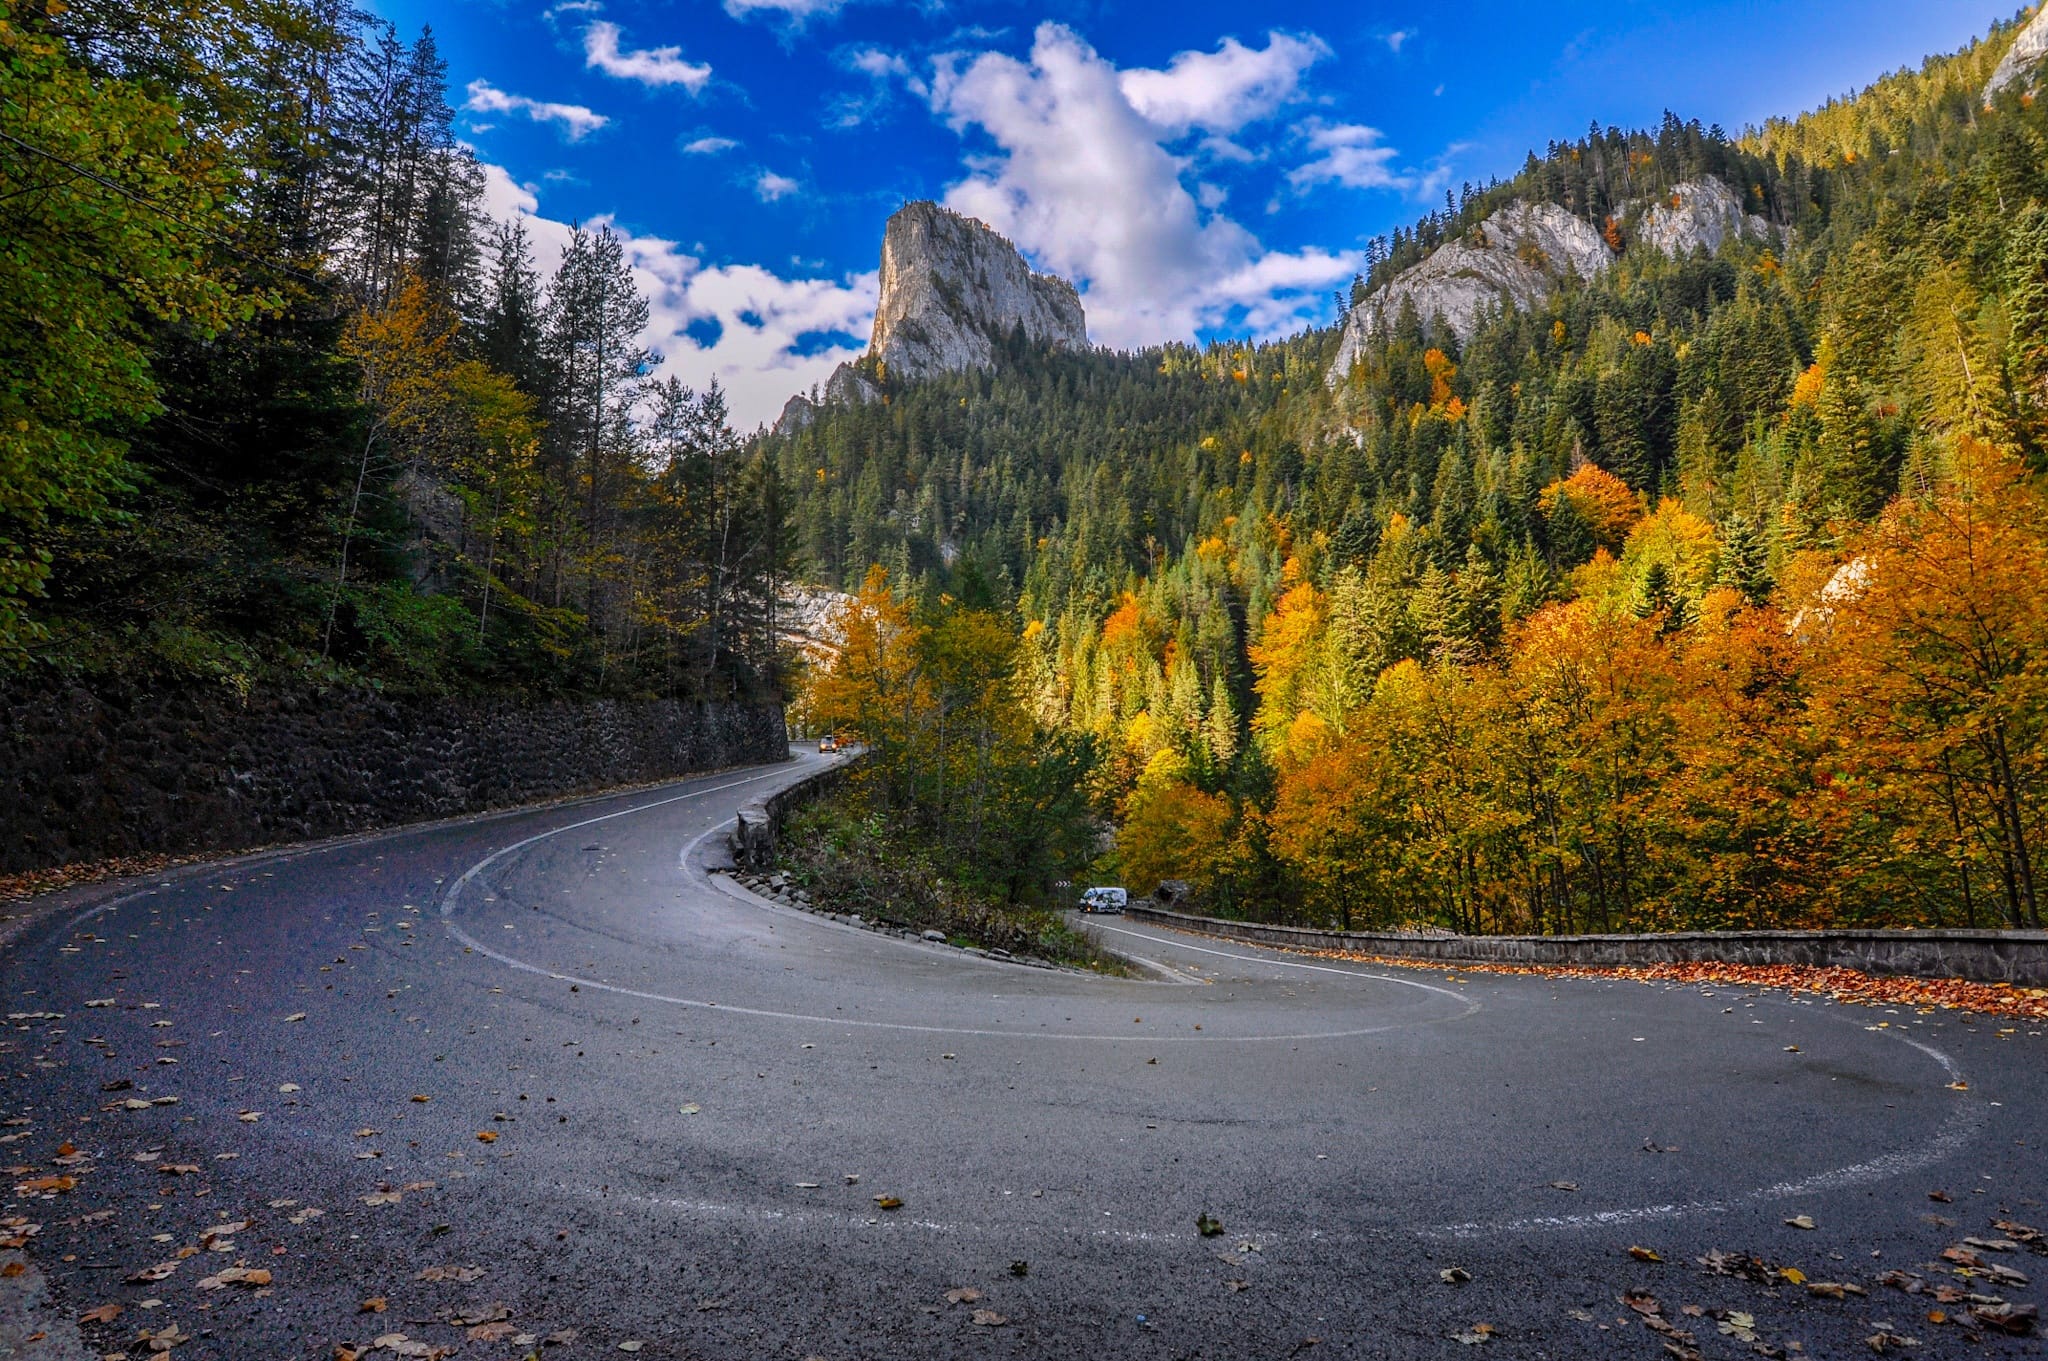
<point>953,290</point>
<point>1520,255</point>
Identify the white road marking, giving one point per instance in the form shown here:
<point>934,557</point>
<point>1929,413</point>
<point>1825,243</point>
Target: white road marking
<point>449,899</point>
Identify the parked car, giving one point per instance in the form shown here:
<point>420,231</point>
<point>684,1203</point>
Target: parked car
<point>1104,899</point>
<point>828,743</point>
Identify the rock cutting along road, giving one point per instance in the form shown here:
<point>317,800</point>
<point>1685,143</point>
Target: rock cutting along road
<point>692,1099</point>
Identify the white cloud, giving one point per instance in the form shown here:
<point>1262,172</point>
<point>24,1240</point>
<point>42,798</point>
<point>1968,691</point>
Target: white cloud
<point>769,186</point>
<point>1224,90</point>
<point>775,336</point>
<point>1350,154</point>
<point>794,10</point>
<point>1396,40</point>
<point>708,146</point>
<point>1082,183</point>
<point>554,12</point>
<point>874,61</point>
<point>884,70</point>
<point>577,122</point>
<point>653,66</point>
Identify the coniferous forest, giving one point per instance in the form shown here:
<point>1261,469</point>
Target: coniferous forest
<point>283,404</point>
<point>1708,594</point>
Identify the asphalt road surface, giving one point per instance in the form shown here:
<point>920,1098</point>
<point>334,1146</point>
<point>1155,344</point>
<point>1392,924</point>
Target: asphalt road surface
<point>548,1059</point>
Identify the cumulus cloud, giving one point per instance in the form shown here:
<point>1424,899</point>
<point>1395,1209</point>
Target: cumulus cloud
<point>1224,90</point>
<point>1398,39</point>
<point>577,122</point>
<point>1082,181</point>
<point>653,66</point>
<point>769,186</point>
<point>1350,154</point>
<point>763,336</point>
<point>708,146</point>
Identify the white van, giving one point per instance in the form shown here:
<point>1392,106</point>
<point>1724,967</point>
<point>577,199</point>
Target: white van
<point>1104,900</point>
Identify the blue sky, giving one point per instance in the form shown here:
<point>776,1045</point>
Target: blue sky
<point>1198,168</point>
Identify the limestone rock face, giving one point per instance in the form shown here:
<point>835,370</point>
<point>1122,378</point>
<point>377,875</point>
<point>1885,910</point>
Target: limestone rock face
<point>953,290</point>
<point>1702,212</point>
<point>1518,256</point>
<point>2022,59</point>
<point>847,386</point>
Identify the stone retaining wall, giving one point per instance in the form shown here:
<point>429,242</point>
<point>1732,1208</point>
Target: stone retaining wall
<point>2019,957</point>
<point>88,775</point>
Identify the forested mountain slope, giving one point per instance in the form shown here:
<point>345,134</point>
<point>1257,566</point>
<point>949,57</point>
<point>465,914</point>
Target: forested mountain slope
<point>1614,607</point>
<point>282,404</point>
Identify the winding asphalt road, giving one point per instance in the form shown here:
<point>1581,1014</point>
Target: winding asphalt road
<point>654,1109</point>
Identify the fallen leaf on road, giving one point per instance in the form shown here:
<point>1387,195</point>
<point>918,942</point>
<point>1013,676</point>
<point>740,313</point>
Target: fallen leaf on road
<point>463,1274</point>
<point>1793,1274</point>
<point>1801,1221</point>
<point>2016,1319</point>
<point>1456,1275</point>
<point>149,1275</point>
<point>1833,1290</point>
<point>1642,1254</point>
<point>965,1294</point>
<point>691,1109</point>
<point>486,1136</point>
<point>376,1304</point>
<point>163,1339</point>
<point>45,1186</point>
<point>382,1198</point>
<point>105,1313</point>
<point>1944,1197</point>
<point>491,1332</point>
<point>177,1169</point>
<point>1564,1186</point>
<point>1208,1225</point>
<point>1476,1334</point>
<point>2025,1233</point>
<point>987,1318</point>
<point>631,1346</point>
<point>249,1117</point>
<point>296,1016</point>
<point>889,1202</point>
<point>249,1277</point>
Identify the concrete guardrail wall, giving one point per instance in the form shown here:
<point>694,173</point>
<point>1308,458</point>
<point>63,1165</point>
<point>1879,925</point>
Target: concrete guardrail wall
<point>2017,957</point>
<point>757,828</point>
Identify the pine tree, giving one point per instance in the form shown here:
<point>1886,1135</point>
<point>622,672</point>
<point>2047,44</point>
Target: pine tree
<point>594,319</point>
<point>1745,559</point>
